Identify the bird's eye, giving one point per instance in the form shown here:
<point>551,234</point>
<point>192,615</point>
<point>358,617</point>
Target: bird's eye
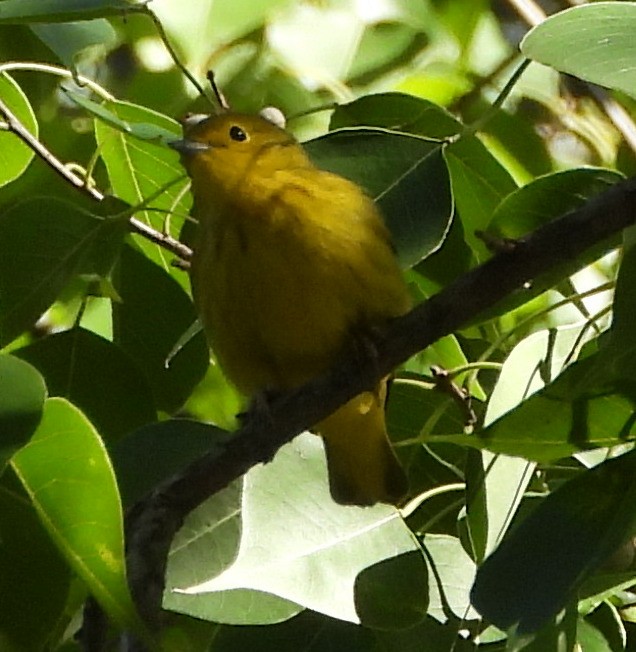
<point>236,133</point>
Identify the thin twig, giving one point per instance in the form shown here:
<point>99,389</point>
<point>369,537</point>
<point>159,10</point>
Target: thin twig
<point>529,10</point>
<point>163,240</point>
<point>173,55</point>
<point>501,98</point>
<point>14,125</point>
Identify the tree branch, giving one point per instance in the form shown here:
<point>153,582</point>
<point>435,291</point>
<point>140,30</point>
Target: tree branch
<point>14,126</point>
<point>153,522</point>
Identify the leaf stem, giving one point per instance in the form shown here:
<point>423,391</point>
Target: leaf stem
<point>475,126</point>
<point>173,55</point>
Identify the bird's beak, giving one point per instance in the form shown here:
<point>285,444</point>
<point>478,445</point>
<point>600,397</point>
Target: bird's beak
<point>189,147</point>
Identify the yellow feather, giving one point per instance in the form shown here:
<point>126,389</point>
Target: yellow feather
<point>290,263</point>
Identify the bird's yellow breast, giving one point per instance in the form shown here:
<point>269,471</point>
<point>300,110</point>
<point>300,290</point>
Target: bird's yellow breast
<point>283,283</point>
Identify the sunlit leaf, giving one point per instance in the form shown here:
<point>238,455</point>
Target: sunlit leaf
<point>15,155</point>
<point>315,552</point>
<point>565,539</point>
<point>68,476</point>
<point>138,168</point>
<point>593,42</point>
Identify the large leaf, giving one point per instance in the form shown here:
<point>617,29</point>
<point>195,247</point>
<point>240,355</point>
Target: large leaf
<point>68,476</point>
<point>300,546</point>
<point>398,112</point>
<point>479,182</point>
<point>97,376</point>
<point>67,40</point>
<point>580,410</point>
<point>44,243</point>
<point>22,394</point>
<point>151,317</point>
<point>538,202</point>
<point>407,176</point>
<point>548,197</point>
<point>451,575</point>
<point>537,568</point>
<point>15,156</point>
<point>168,447</point>
<point>593,42</point>
<point>496,483</point>
<point>138,169</point>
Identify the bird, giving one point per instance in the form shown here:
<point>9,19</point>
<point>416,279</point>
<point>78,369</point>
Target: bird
<point>292,268</point>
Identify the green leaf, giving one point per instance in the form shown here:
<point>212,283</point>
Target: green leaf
<point>606,628</point>
<point>575,412</point>
<point>311,542</point>
<point>548,197</point>
<point>68,476</point>
<point>620,351</point>
<point>538,567</point>
<point>153,314</point>
<point>50,11</point>
<point>34,579</point>
<point>537,203</point>
<point>480,183</point>
<point>397,112</point>
<point>68,40</point>
<point>495,485</point>
<point>22,394</point>
<point>386,595</point>
<point>85,368</point>
<point>161,132</point>
<point>139,168</point>
<point>15,155</point>
<point>514,141</point>
<point>168,447</point>
<point>593,42</point>
<point>44,243</point>
<point>451,574</point>
<point>406,176</point>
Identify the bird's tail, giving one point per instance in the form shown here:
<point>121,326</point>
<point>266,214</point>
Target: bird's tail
<point>363,469</point>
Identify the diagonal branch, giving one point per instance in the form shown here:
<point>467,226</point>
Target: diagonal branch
<point>153,522</point>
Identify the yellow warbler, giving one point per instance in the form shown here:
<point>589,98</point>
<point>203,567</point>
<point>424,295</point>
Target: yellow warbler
<point>291,264</point>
